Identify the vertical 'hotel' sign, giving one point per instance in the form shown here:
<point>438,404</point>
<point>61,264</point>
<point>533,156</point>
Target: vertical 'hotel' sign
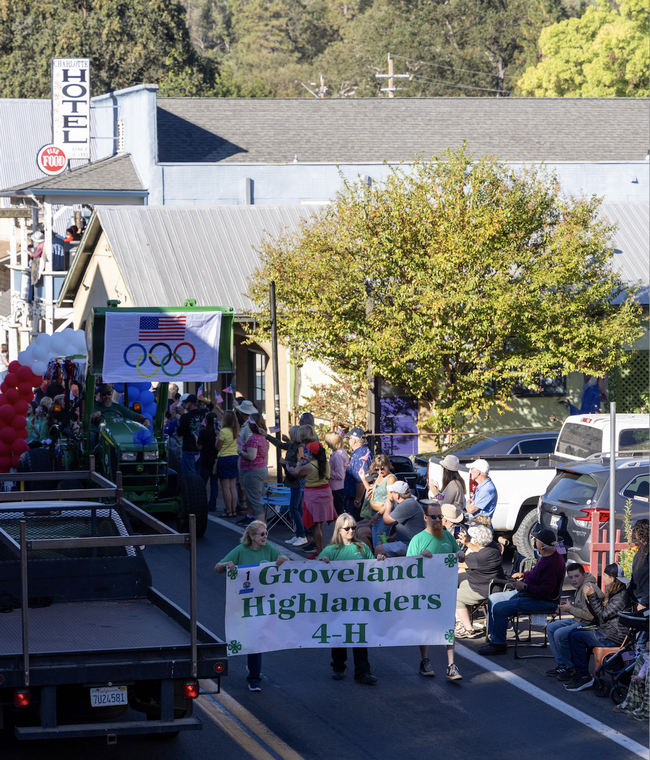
<point>71,106</point>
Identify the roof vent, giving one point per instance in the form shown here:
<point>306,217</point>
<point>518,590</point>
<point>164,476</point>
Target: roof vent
<point>120,136</point>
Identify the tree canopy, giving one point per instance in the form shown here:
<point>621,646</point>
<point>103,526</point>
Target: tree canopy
<point>604,53</point>
<point>456,280</point>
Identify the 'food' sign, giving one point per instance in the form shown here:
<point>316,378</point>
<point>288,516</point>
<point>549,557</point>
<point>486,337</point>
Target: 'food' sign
<point>51,159</point>
<point>71,106</point>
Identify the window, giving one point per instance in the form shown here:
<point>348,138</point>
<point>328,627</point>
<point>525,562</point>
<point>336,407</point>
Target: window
<point>639,488</point>
<point>572,488</point>
<point>535,446</point>
<point>580,440</point>
<point>635,439</point>
<point>257,378</point>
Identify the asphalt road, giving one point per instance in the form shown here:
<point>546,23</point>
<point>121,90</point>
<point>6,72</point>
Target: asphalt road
<point>302,713</point>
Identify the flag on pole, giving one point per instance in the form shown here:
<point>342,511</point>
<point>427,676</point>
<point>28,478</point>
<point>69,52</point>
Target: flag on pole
<point>199,392</point>
<point>217,398</point>
<point>228,390</point>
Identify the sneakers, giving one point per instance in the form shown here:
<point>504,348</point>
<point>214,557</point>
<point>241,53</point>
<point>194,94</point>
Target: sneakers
<point>254,687</point>
<point>366,678</point>
<point>425,668</point>
<point>473,634</point>
<point>453,674</point>
<point>246,520</point>
<point>337,675</point>
<point>579,683</point>
<point>309,547</point>
<point>554,672</point>
<point>621,709</point>
<point>313,556</point>
<point>291,541</point>
<point>491,649</point>
<point>302,541</point>
<point>565,674</point>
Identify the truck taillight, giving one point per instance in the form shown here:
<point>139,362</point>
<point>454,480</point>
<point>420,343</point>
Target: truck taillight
<point>190,689</point>
<point>22,697</point>
<point>219,668</point>
<point>588,514</point>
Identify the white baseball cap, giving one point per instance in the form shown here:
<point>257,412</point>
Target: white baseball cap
<point>481,465</point>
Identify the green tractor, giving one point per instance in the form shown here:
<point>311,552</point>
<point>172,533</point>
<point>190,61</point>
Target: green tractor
<point>122,445</point>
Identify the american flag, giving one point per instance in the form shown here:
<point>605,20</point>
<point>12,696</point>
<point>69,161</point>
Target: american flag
<point>228,390</point>
<point>162,328</point>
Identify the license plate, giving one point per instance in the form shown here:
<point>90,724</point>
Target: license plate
<point>108,695</point>
<point>555,521</point>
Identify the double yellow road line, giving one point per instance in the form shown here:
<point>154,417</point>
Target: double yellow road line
<point>242,726</point>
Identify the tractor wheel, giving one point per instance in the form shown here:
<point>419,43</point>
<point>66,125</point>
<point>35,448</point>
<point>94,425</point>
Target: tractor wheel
<point>37,460</point>
<point>523,538</point>
<point>194,500</point>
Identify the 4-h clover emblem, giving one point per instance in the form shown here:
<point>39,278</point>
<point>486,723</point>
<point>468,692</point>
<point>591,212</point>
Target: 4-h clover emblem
<point>232,574</point>
<point>450,560</point>
<point>449,636</point>
<point>234,647</point>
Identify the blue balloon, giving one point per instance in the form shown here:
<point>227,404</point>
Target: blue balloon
<point>134,393</point>
<point>149,410</point>
<point>142,386</point>
<point>119,387</point>
<point>149,417</point>
<point>120,400</point>
<point>147,398</point>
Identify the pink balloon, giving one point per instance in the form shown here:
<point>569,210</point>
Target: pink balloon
<point>7,413</point>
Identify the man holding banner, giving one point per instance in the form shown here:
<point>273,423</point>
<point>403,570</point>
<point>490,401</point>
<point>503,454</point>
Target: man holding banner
<point>434,539</point>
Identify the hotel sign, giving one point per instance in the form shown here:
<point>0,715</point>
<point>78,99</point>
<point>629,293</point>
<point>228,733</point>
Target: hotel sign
<point>71,106</point>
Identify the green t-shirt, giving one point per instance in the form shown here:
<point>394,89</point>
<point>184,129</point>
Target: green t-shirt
<point>425,540</point>
<point>334,552</point>
<point>123,410</point>
<point>246,555</point>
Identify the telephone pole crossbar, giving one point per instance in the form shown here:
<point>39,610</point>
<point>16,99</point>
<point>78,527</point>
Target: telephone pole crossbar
<point>391,76</point>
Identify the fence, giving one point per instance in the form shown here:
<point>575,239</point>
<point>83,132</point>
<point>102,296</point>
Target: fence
<point>599,545</point>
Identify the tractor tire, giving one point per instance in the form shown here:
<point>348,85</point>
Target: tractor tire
<point>523,538</point>
<point>194,498</point>
<point>37,460</point>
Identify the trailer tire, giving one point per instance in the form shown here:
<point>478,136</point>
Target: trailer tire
<point>37,460</point>
<point>194,500</point>
<point>523,538</point>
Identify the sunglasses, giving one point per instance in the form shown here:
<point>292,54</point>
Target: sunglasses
<point>106,394</point>
<point>265,533</point>
<point>349,527</point>
<point>434,517</point>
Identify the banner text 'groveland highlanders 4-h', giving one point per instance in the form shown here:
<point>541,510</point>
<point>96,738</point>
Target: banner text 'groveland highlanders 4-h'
<point>161,346</point>
<point>395,602</point>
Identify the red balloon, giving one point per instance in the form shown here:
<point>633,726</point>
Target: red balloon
<point>5,464</point>
<point>18,422</point>
<point>7,413</point>
<point>3,387</point>
<point>22,434</point>
<point>19,446</point>
<point>28,397</point>
<point>5,449</point>
<point>37,381</point>
<point>3,400</point>
<point>14,460</point>
<point>24,388</point>
<point>24,374</point>
<point>7,434</point>
<point>20,407</point>
<point>12,395</point>
<point>14,366</point>
<point>11,381</point>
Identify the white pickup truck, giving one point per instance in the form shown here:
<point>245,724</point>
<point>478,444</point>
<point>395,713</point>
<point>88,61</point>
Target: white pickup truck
<point>521,479</point>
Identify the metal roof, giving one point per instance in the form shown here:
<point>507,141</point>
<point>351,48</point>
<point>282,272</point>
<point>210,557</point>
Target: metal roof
<point>632,243</point>
<point>367,130</point>
<point>167,254</point>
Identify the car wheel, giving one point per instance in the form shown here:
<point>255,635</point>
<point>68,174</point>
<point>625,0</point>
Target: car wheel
<point>523,538</point>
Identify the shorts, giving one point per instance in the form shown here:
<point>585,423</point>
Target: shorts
<point>227,467</point>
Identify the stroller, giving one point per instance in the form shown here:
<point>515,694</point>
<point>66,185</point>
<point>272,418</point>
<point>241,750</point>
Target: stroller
<point>613,676</point>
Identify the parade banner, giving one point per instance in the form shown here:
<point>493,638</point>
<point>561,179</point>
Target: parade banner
<point>402,601</point>
<point>161,346</point>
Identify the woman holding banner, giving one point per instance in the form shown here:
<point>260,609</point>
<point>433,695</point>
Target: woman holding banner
<point>344,546</point>
<point>252,550</point>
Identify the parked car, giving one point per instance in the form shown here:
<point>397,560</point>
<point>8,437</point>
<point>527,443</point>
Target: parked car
<point>579,491</point>
<point>404,469</point>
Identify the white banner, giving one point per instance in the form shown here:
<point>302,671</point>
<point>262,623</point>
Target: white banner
<point>402,601</point>
<point>71,106</point>
<point>163,346</point>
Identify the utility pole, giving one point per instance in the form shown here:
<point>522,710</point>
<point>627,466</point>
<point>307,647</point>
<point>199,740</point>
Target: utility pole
<point>391,79</point>
<point>323,89</point>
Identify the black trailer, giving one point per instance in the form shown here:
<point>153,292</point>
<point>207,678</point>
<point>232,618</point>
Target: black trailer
<point>87,646</point>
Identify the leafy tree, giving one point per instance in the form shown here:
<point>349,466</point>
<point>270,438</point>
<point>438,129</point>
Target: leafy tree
<point>604,53</point>
<point>451,277</point>
<point>127,41</point>
<point>342,401</point>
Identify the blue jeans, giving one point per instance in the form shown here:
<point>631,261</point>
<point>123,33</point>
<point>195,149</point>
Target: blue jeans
<point>294,511</point>
<point>188,463</point>
<point>558,638</point>
<point>206,474</point>
<point>254,669</point>
<point>581,643</point>
<point>379,527</point>
<point>504,604</point>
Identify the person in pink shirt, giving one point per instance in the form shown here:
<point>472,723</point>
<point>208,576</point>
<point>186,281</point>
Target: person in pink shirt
<point>339,461</point>
<point>252,465</point>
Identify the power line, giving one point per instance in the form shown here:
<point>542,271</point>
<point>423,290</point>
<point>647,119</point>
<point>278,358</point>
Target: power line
<point>451,68</point>
<point>463,86</point>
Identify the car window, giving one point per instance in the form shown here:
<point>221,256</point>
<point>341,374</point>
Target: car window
<point>471,446</point>
<point>639,488</point>
<point>579,440</point>
<point>634,440</point>
<point>572,488</point>
<point>537,446</point>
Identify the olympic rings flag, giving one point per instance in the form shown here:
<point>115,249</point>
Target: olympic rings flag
<point>161,346</point>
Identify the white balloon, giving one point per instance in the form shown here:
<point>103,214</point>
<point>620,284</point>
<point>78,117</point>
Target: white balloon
<point>38,368</point>
<point>58,344</point>
<point>25,358</point>
<point>70,350</point>
<point>39,353</point>
<point>43,339</point>
<point>67,333</point>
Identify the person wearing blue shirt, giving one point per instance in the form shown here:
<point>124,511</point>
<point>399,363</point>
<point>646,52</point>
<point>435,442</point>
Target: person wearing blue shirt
<point>485,498</point>
<point>353,485</point>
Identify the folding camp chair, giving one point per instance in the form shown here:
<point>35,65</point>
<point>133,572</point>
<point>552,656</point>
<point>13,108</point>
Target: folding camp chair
<point>276,505</point>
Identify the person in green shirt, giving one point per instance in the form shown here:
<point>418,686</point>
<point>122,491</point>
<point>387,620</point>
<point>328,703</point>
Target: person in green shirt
<point>106,404</point>
<point>252,550</point>
<point>434,539</point>
<point>344,545</point>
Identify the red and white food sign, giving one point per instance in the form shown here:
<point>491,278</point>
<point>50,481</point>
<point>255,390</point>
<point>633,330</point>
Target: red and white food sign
<point>52,160</point>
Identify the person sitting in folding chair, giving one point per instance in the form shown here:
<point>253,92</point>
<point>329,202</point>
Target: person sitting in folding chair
<point>533,591</point>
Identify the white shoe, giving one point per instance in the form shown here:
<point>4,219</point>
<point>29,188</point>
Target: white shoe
<point>301,541</point>
<point>291,540</point>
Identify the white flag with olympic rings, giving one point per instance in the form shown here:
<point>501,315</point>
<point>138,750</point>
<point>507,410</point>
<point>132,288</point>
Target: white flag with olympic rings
<point>161,346</point>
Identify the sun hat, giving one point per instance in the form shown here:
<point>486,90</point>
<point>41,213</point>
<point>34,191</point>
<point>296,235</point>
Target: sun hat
<point>452,513</point>
<point>247,407</point>
<point>451,463</point>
